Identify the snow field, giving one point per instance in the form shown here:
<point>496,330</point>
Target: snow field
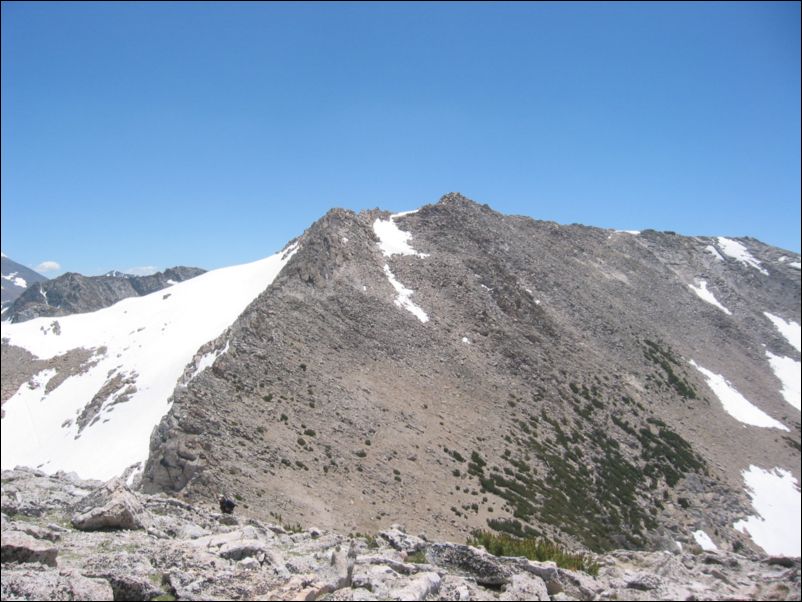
<point>154,337</point>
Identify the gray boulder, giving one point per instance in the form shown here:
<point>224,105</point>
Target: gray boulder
<point>21,547</point>
<point>485,568</point>
<point>112,506</point>
<point>40,582</point>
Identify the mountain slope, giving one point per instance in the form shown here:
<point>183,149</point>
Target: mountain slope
<point>15,279</point>
<point>73,293</point>
<point>84,391</point>
<point>495,370</point>
<point>449,369</point>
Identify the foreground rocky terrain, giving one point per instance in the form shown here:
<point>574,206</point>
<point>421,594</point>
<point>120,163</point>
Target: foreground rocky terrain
<point>68,539</point>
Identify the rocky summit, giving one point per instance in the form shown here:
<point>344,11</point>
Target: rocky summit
<point>64,538</point>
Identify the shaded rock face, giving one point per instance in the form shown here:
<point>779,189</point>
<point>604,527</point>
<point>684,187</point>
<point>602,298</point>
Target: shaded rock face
<point>73,293</point>
<point>193,553</point>
<point>550,391</point>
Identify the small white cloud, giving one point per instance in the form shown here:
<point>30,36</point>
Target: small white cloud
<point>143,270</point>
<point>48,266</point>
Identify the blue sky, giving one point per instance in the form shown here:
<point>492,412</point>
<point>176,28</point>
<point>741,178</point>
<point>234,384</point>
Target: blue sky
<point>144,134</point>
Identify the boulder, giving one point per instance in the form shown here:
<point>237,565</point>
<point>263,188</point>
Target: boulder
<point>401,541</point>
<point>21,547</point>
<point>112,506</point>
<point>419,587</point>
<point>525,587</point>
<point>484,567</point>
<point>40,582</point>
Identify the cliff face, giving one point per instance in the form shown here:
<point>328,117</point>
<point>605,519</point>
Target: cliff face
<point>456,368</point>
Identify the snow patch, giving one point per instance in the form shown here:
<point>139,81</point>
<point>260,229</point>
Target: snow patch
<point>206,361</point>
<point>704,541</point>
<point>789,373</point>
<point>712,250</point>
<point>403,298</point>
<point>198,310</point>
<point>466,340</point>
<point>392,239</point>
<point>790,330</point>
<point>738,251</point>
<point>795,264</point>
<point>735,404</point>
<point>16,280</point>
<point>707,296</point>
<point>776,499</point>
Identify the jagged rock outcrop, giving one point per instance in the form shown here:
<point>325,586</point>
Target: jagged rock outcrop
<point>73,293</point>
<point>192,553</point>
<point>499,372</point>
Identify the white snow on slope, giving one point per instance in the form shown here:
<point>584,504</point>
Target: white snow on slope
<point>150,337</point>
<point>735,404</point>
<point>704,541</point>
<point>706,295</point>
<point>16,280</point>
<point>394,241</point>
<point>403,298</point>
<point>790,330</point>
<point>795,264</point>
<point>206,361</point>
<point>738,251</point>
<point>712,250</point>
<point>788,371</point>
<point>776,499</point>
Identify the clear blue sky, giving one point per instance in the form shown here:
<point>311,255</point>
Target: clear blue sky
<point>143,134</point>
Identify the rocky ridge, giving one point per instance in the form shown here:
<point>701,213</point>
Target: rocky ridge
<point>64,538</point>
<point>73,293</point>
<point>548,391</point>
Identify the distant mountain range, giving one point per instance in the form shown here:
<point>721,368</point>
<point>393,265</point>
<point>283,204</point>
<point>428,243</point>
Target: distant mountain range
<point>73,293</point>
<point>449,368</point>
<point>15,279</point>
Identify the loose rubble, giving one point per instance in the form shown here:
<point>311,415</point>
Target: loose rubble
<point>67,539</point>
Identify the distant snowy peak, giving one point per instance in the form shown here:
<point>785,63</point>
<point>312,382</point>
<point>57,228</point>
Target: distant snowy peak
<point>117,274</point>
<point>15,278</point>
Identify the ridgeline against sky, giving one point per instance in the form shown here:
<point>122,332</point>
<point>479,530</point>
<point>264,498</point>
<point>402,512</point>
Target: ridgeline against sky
<point>141,136</point>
